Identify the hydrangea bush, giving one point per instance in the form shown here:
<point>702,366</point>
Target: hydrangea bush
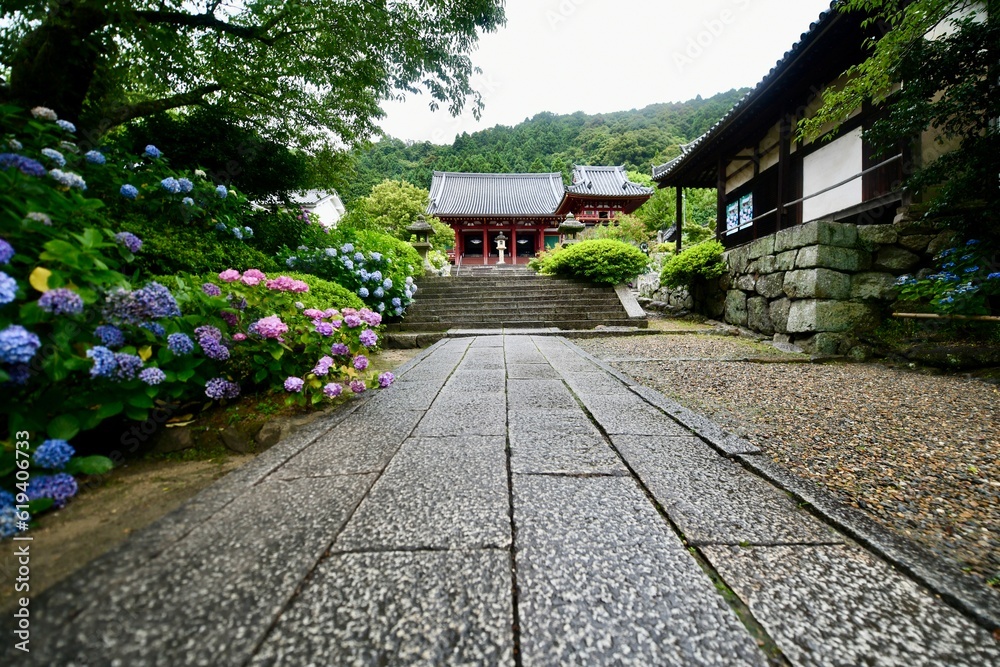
<point>965,280</point>
<point>377,267</point>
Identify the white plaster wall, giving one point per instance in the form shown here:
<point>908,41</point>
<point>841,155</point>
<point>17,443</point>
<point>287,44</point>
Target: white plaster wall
<point>840,159</point>
<point>328,212</point>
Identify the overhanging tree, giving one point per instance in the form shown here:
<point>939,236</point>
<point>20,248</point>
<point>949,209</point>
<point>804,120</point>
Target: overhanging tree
<point>298,70</point>
<point>944,54</point>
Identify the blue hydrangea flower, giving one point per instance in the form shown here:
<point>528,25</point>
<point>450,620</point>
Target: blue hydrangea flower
<point>53,454</point>
<point>187,201</point>
<point>375,256</point>
<point>152,151</point>
<point>8,289</point>
<point>238,233</point>
<point>111,336</point>
<point>19,374</point>
<point>171,185</point>
<point>398,311</point>
<point>377,276</point>
<point>59,487</point>
<point>152,376</point>
<point>55,156</point>
<point>66,125</point>
<point>219,388</point>
<point>290,262</point>
<point>94,157</point>
<point>331,252</point>
<point>25,165</point>
<point>993,276</point>
<point>348,264</point>
<point>381,307</point>
<point>396,302</point>
<point>221,191</point>
<point>409,280</point>
<point>9,521</point>
<point>129,240</point>
<point>180,344</point>
<point>387,283</point>
<point>7,499</point>
<point>364,275</point>
<point>6,252</point>
<point>248,232</point>
<point>971,242</point>
<point>185,184</point>
<point>359,258</point>
<point>972,269</point>
<point>347,248</point>
<point>154,327</point>
<point>68,179</point>
<point>363,292</point>
<point>379,292</point>
<point>61,301</point>
<point>18,345</point>
<point>221,226</point>
<point>128,191</point>
<point>104,362</point>
<point>128,366</point>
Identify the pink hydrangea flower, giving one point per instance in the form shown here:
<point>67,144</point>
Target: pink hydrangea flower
<point>253,277</point>
<point>270,327</point>
<point>352,321</point>
<point>229,276</point>
<point>314,314</point>
<point>239,337</point>
<point>299,286</point>
<point>371,317</point>
<point>287,284</point>
<point>331,312</point>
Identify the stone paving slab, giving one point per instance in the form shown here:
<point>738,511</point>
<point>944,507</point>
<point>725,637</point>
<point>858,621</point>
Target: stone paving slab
<point>493,380</point>
<point>442,421</point>
<point>213,596</point>
<point>417,608</point>
<point>440,493</point>
<point>602,580</point>
<point>538,393</point>
<point>625,413</point>
<point>592,382</point>
<point>837,605</point>
<point>401,396</point>
<point>543,426</point>
<point>539,371</point>
<point>714,500</point>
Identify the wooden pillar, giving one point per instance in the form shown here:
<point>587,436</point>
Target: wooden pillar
<point>513,245</point>
<point>784,156</point>
<point>486,246</point>
<point>680,215</point>
<point>720,212</point>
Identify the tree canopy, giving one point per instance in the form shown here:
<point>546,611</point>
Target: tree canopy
<point>944,55</point>
<point>300,71</point>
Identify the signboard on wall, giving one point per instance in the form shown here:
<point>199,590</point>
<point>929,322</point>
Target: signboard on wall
<point>835,162</point>
<point>732,217</point>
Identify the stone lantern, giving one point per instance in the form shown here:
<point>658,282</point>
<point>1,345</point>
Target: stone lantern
<point>501,246</point>
<point>422,230</point>
<point>570,227</point>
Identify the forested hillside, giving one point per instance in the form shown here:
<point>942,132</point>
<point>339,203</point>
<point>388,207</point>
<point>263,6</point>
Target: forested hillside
<point>547,142</point>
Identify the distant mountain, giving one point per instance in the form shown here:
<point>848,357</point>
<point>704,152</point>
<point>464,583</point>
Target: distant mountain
<point>547,142</point>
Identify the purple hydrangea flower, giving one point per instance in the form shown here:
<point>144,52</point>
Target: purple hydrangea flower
<point>152,302</point>
<point>324,328</point>
<point>232,319</point>
<point>152,151</point>
<point>219,388</point>
<point>94,157</point>
<point>19,374</point>
<point>352,320</point>
<point>358,386</point>
<point>105,363</point>
<point>59,487</point>
<point>323,366</point>
<point>152,376</point>
<point>128,366</point>
<point>61,301</point>
<point>8,289</point>
<point>111,336</point>
<point>53,454</point>
<point>294,384</point>
<point>210,340</point>
<point>6,252</point>
<point>25,165</point>
<point>129,240</point>
<point>211,289</point>
<point>270,327</point>
<point>372,318</point>
<point>368,338</point>
<point>333,390</point>
<point>180,344</point>
<point>361,362</point>
<point>129,191</point>
<point>18,345</point>
<point>386,379</point>
<point>339,349</point>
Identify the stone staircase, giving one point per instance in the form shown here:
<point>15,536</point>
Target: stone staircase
<point>512,298</point>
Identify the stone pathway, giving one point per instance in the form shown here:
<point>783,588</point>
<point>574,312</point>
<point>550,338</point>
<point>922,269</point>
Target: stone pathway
<point>506,502</point>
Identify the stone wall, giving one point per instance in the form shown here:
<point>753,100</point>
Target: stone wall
<point>818,284</point>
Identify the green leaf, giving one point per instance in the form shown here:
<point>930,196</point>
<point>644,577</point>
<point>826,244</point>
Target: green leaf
<point>259,376</point>
<point>39,505</point>
<point>277,353</point>
<point>136,414</point>
<point>89,465</point>
<point>110,409</point>
<point>63,427</point>
<point>138,400</point>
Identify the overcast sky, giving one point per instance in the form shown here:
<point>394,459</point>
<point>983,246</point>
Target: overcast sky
<point>611,55</point>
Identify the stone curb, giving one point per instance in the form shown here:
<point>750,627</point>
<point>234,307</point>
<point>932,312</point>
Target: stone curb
<point>904,554</point>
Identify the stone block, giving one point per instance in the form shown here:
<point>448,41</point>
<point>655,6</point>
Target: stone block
<point>831,257</point>
<point>866,286</point>
<point>880,234</point>
<point>785,261</point>
<point>826,344</point>
<point>765,264</point>
<point>716,307</point>
<point>819,232</point>
<point>917,242</point>
<point>747,283</point>
<point>779,311</point>
<point>771,285</point>
<point>892,258</point>
<point>811,315</point>
<point>942,241</point>
<point>761,247</point>
<point>817,284</point>
<point>759,316</point>
<point>737,259</point>
<point>736,308</point>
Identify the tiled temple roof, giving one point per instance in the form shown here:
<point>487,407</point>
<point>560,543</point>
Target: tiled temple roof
<point>606,182</point>
<point>459,193</point>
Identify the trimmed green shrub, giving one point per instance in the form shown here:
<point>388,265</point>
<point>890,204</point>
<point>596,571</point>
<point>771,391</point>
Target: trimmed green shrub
<point>699,261</point>
<point>599,260</point>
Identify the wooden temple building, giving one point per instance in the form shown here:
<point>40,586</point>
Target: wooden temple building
<point>526,208</point>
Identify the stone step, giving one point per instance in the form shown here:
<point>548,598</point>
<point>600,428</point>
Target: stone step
<point>583,313</point>
<point>506,289</point>
<point>528,297</point>
<point>520,324</point>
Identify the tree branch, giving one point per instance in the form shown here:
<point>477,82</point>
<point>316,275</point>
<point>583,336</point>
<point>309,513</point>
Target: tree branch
<point>205,21</point>
<point>195,96</point>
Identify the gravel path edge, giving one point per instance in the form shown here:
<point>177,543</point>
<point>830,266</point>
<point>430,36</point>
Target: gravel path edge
<point>901,552</point>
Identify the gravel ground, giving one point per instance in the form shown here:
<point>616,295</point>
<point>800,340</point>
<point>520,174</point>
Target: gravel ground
<point>919,452</point>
